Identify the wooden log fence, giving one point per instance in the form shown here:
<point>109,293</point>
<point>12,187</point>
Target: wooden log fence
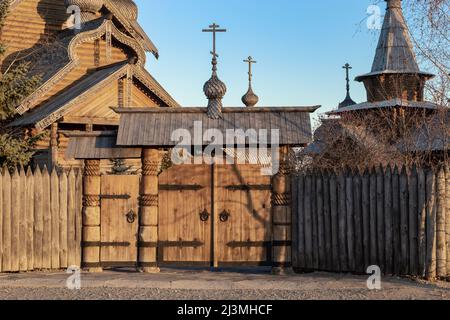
<point>40,219</point>
<point>395,218</point>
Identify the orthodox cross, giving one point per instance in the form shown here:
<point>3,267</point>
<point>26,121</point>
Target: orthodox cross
<point>214,28</point>
<point>347,68</point>
<point>250,61</point>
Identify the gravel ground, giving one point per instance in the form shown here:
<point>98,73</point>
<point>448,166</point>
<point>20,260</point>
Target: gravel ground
<point>178,285</point>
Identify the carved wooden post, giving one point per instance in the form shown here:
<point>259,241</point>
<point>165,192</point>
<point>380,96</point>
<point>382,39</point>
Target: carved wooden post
<point>91,216</point>
<point>148,221</point>
<point>281,216</point>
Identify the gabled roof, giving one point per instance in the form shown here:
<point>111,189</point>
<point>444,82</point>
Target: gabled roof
<point>395,53</point>
<point>56,108</point>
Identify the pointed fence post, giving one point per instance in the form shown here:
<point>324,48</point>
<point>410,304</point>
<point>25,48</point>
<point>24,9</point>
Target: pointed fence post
<point>441,254</point>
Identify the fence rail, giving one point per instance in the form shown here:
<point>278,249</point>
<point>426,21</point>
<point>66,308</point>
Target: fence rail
<point>397,219</point>
<point>40,220</point>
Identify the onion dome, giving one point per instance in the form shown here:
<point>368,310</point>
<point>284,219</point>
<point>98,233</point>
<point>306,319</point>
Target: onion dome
<point>88,8</point>
<point>250,99</point>
<point>214,90</point>
<point>127,8</point>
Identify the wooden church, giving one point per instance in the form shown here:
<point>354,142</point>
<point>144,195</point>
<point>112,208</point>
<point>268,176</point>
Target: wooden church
<point>86,67</point>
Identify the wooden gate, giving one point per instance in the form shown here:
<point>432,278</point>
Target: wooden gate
<point>214,216</point>
<point>119,220</point>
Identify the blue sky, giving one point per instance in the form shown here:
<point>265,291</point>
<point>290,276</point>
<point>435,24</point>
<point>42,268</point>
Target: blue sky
<point>300,47</point>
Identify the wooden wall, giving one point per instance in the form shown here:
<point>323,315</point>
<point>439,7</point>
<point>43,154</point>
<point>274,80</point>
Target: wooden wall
<point>397,219</point>
<point>40,220</point>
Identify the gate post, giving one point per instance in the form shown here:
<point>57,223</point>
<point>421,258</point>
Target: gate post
<point>148,220</point>
<point>91,216</point>
<point>281,216</point>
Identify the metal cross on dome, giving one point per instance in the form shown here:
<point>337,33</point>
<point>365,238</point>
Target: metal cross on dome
<point>214,28</point>
<point>250,61</point>
<point>347,68</point>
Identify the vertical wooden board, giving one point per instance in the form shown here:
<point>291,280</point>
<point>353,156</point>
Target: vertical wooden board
<point>308,223</point>
<point>30,219</point>
<point>334,223</point>
<point>15,221</point>
<point>295,218</point>
<point>78,214</point>
<point>412,221</point>
<point>373,219</point>
<point>431,225</point>
<point>54,209</point>
<point>357,209</point>
<point>396,221</point>
<point>320,222</point>
<point>441,246</point>
<point>300,213</point>
<point>422,218</point>
<point>71,218</point>
<point>47,215</point>
<point>327,221</point>
<point>388,212</point>
<point>23,264</point>
<point>1,219</point>
<point>380,219</point>
<point>63,226</point>
<point>7,220</point>
<point>342,216</point>
<point>366,218</point>
<point>38,225</point>
<point>315,227</point>
<point>350,217</point>
<point>447,213</point>
<point>404,225</point>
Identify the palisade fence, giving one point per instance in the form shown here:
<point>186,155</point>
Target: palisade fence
<point>397,219</point>
<point>40,219</point>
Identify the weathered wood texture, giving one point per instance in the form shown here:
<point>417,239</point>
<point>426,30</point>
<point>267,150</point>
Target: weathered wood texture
<point>38,219</point>
<point>394,218</point>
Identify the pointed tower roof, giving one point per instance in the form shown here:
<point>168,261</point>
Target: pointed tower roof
<point>395,53</point>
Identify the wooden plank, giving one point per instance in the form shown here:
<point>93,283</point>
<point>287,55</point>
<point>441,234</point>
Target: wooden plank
<point>308,223</point>
<point>30,219</point>
<point>320,221</point>
<point>315,227</point>
<point>63,226</point>
<point>1,219</point>
<point>15,221</point>
<point>441,246</point>
<point>38,219</point>
<point>47,235</point>
<point>342,216</point>
<point>388,213</point>
<point>296,250</point>
<point>54,207</point>
<point>78,214</point>
<point>373,218</point>
<point>404,234</point>
<point>431,225</point>
<point>350,213</point>
<point>300,213</point>
<point>7,184</point>
<point>396,220</point>
<point>327,220</point>
<point>422,219</point>
<point>366,217</point>
<point>357,209</point>
<point>447,218</point>
<point>71,224</point>
<point>413,226</point>
<point>380,219</point>
<point>23,205</point>
<point>334,223</point>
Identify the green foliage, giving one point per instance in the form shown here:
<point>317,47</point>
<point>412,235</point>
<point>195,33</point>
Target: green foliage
<point>15,85</point>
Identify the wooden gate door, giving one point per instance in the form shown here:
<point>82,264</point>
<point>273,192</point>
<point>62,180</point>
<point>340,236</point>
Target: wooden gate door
<point>243,208</point>
<point>185,210</point>
<point>119,220</point>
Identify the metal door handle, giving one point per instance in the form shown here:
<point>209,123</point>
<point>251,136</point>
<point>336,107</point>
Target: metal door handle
<point>131,216</point>
<point>224,216</point>
<point>204,215</point>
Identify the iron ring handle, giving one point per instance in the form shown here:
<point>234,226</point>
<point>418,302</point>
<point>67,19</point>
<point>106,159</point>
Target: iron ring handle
<point>204,215</point>
<point>131,217</point>
<point>224,216</point>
